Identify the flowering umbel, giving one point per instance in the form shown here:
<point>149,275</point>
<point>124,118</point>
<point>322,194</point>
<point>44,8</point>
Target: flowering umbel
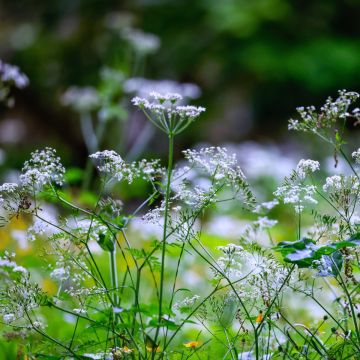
<point>165,113</point>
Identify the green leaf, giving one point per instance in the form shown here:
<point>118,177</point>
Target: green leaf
<point>228,313</point>
<point>301,252</point>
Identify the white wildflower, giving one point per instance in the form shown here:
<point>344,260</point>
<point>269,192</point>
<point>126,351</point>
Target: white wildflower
<point>20,269</point>
<point>315,121</point>
<point>163,110</point>
<point>296,195</point>
<point>79,311</point>
<point>334,182</point>
<point>265,206</point>
<point>154,215</point>
<point>60,274</point>
<point>112,164</point>
<point>217,163</point>
<point>186,303</point>
<point>9,318</point>
<point>356,155</point>
<point>306,167</point>
<point>44,167</point>
<point>8,188</point>
<point>12,74</point>
<point>81,99</point>
<point>265,223</point>
<point>231,249</point>
<point>144,43</point>
<point>342,185</point>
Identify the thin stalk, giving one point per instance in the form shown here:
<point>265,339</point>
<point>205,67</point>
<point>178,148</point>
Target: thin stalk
<point>50,337</point>
<point>166,214</point>
<point>114,277</point>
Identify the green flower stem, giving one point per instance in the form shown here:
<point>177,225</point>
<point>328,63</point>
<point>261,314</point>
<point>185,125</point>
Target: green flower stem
<point>114,277</point>
<point>352,309</point>
<point>163,248</point>
<point>50,337</point>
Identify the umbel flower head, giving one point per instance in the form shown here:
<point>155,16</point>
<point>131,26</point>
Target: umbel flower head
<point>165,113</point>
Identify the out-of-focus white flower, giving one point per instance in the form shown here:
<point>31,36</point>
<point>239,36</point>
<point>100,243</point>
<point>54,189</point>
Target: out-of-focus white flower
<point>265,223</point>
<point>265,206</point>
<point>20,269</point>
<point>141,42</point>
<point>81,99</point>
<point>12,74</point>
<point>9,318</point>
<point>356,155</point>
<point>255,158</point>
<point>225,226</point>
<point>60,274</point>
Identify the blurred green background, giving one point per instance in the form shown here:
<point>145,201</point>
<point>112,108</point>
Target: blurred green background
<point>255,61</point>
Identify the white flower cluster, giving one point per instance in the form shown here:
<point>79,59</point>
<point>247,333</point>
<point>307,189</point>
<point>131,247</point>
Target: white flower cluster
<point>86,229</point>
<point>195,196</point>
<point>297,195</point>
<point>43,168</point>
<point>67,269</point>
<point>263,275</point>
<point>294,190</point>
<point>112,164</point>
<point>186,304</point>
<point>356,156</point>
<point>9,318</point>
<point>8,188</point>
<point>144,43</point>
<point>330,112</point>
<point>164,104</point>
<point>266,277</point>
<point>265,223</point>
<point>265,206</point>
<point>12,74</point>
<point>306,167</point>
<point>60,274</point>
<point>10,264</point>
<point>217,163</point>
<point>230,264</point>
<point>81,99</point>
<point>230,249</point>
<point>338,184</point>
<point>155,215</point>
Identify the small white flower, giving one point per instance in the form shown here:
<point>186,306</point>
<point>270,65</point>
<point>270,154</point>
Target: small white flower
<point>44,167</point>
<point>141,42</point>
<point>79,311</point>
<point>266,206</point>
<point>8,188</point>
<point>306,167</point>
<point>231,249</point>
<point>20,269</point>
<point>334,182</point>
<point>356,155</point>
<point>265,222</point>
<point>8,318</point>
<point>60,274</point>
<point>12,74</point>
